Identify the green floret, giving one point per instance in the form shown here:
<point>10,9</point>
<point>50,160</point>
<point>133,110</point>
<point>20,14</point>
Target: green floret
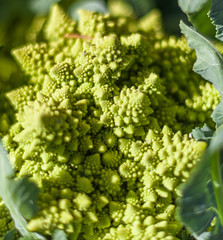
<point>102,127</point>
<point>34,60</point>
<point>92,23</point>
<point>21,96</point>
<point>62,72</point>
<point>6,222</point>
<point>58,25</point>
<point>100,61</point>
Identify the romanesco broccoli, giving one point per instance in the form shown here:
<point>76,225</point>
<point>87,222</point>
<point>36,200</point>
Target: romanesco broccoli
<point>101,126</point>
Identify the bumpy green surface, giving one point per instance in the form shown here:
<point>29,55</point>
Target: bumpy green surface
<point>6,222</point>
<point>102,126</point>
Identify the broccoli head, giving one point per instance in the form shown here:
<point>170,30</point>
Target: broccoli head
<point>102,126</point>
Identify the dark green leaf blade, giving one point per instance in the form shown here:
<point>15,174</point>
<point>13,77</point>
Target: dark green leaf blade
<point>9,235</point>
<point>216,14</point>
<point>209,62</point>
<point>6,172</point>
<point>216,158</point>
<point>191,6</point>
<point>15,194</point>
<point>195,207</point>
<point>202,22</point>
<point>25,196</point>
<point>202,193</point>
<point>205,133</point>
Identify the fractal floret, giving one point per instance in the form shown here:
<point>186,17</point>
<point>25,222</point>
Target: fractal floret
<point>101,125</point>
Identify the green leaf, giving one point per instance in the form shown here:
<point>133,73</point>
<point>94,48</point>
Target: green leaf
<point>25,196</point>
<point>216,14</point>
<point>197,13</point>
<point>205,133</point>
<point>216,158</point>
<point>209,63</point>
<point>217,114</point>
<point>195,207</point>
<point>202,193</point>
<point>9,235</point>
<point>59,235</point>
<point>202,22</point>
<point>192,6</point>
<point>19,196</point>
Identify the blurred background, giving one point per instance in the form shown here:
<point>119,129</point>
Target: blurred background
<point>19,17</point>
<point>16,16</point>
